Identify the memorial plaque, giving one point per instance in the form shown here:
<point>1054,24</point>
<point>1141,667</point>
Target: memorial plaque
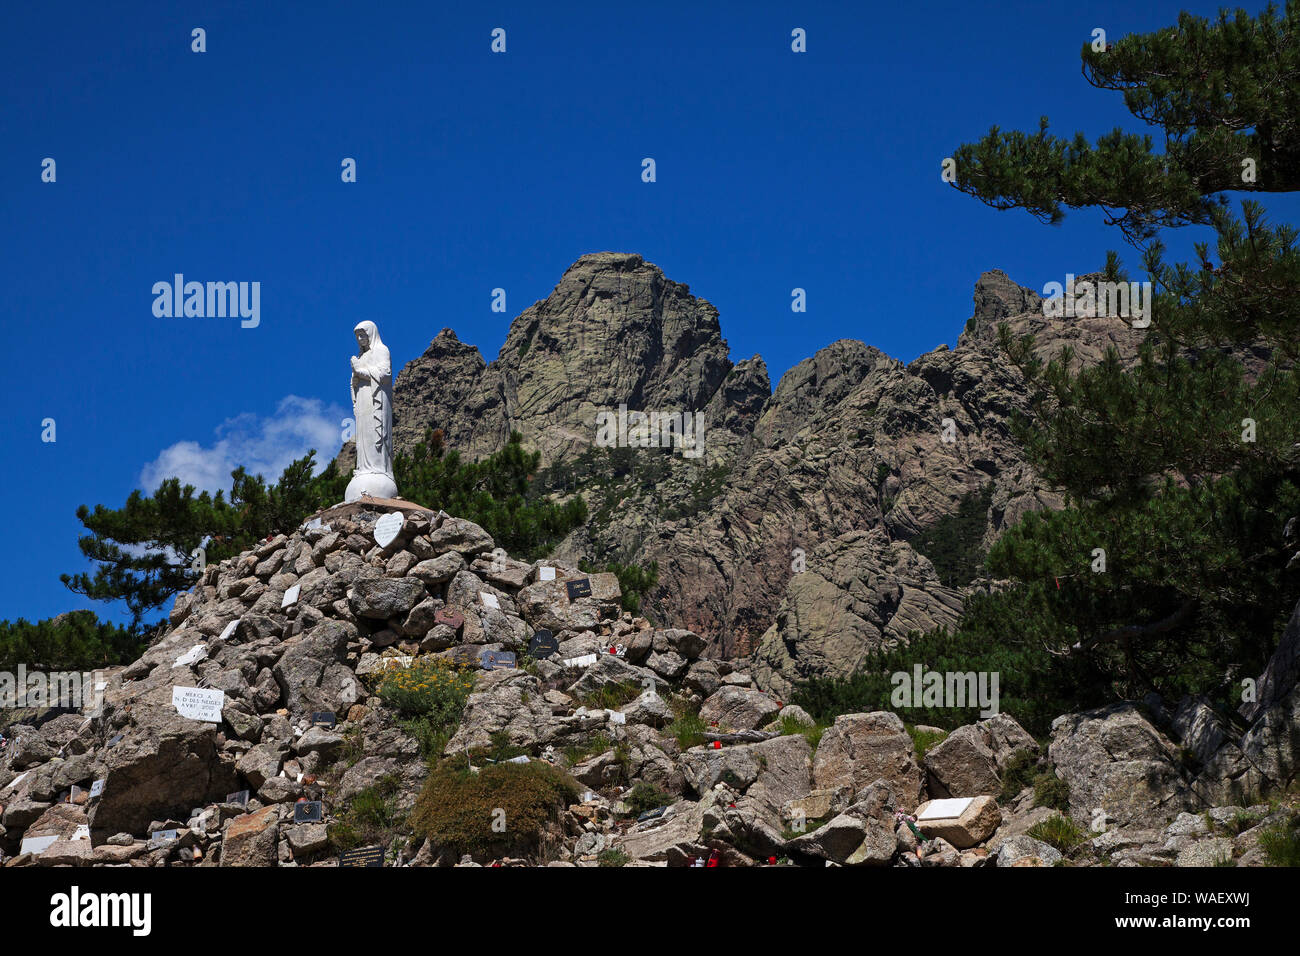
<point>522,758</point>
<point>291,596</point>
<point>450,617</point>
<point>580,588</point>
<point>543,645</point>
<point>309,811</point>
<point>495,660</point>
<point>489,600</point>
<point>82,833</point>
<point>114,741</point>
<point>323,719</point>
<point>198,704</point>
<point>163,835</point>
<point>946,809</point>
<point>388,528</point>
<point>97,789</point>
<point>229,632</point>
<point>546,573</point>
<point>240,798</point>
<point>617,717</point>
<point>586,660</point>
<point>36,845</point>
<point>192,656</point>
<point>652,814</point>
<point>363,856</point>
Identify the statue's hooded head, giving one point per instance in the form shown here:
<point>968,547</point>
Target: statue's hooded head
<point>367,334</point>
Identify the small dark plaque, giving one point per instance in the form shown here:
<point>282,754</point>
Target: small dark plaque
<point>651,814</point>
<point>240,798</point>
<point>492,660</point>
<point>363,856</point>
<point>115,741</point>
<point>309,811</point>
<point>543,645</point>
<point>322,719</point>
<point>579,589</point>
<point>164,834</point>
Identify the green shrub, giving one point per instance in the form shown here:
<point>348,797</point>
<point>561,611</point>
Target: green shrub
<point>595,744</point>
<point>612,696</point>
<point>688,727</point>
<point>923,740</point>
<point>1051,791</point>
<point>644,797</point>
<point>812,733</point>
<point>1060,832</point>
<point>432,687</point>
<point>1021,771</point>
<point>371,819</point>
<point>1281,843</point>
<point>457,809</point>
<point>613,858</point>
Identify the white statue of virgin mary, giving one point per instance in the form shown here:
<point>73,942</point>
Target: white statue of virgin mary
<point>372,408</point>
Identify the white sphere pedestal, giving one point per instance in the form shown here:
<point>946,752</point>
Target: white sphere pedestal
<point>374,484</point>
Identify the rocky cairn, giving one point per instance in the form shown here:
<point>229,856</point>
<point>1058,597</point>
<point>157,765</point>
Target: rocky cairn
<point>296,633</point>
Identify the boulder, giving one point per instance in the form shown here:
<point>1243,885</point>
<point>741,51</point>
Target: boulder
<point>738,708</point>
<point>383,598</point>
<point>1115,760</point>
<point>859,749</point>
<point>252,839</point>
<point>974,823</point>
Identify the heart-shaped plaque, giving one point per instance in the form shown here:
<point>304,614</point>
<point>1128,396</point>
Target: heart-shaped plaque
<point>388,528</point>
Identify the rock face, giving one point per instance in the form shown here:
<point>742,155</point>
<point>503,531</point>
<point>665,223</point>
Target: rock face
<point>613,331</point>
<point>843,463</point>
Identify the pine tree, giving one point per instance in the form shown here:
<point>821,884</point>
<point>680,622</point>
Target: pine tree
<point>1182,467</point>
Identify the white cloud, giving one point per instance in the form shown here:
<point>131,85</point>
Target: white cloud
<point>263,445</point>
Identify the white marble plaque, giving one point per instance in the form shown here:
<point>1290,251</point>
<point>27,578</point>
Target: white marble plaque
<point>522,758</point>
<point>229,632</point>
<point>586,660</point>
<point>490,600</point>
<point>199,704</point>
<point>13,784</point>
<point>290,596</point>
<point>97,789</point>
<point>82,833</point>
<point>37,845</point>
<point>946,809</point>
<point>617,717</point>
<point>192,656</point>
<point>388,528</point>
<point>546,573</point>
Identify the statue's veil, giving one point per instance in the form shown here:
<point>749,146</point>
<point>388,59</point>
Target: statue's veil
<point>376,344</point>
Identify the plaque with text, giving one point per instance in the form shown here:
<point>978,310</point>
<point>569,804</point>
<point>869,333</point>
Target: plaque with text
<point>309,811</point>
<point>580,588</point>
<point>363,856</point>
<point>493,660</point>
<point>543,645</point>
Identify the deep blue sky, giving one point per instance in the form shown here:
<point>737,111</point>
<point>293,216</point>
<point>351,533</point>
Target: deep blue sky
<point>476,170</point>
